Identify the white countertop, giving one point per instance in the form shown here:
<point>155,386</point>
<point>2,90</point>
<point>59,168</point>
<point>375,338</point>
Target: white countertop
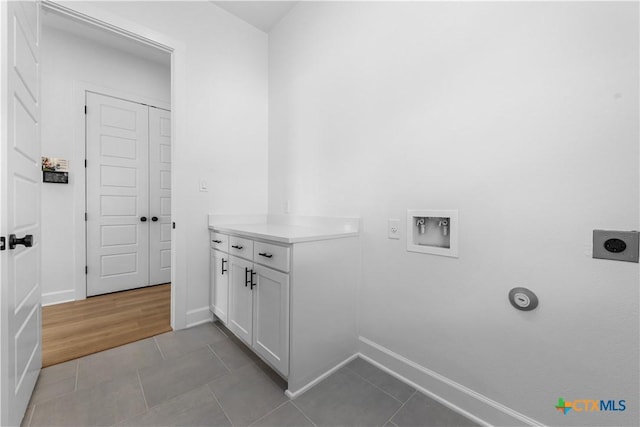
<point>287,229</point>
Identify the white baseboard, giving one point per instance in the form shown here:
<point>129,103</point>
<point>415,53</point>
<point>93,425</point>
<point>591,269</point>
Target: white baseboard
<point>199,316</point>
<point>304,388</point>
<point>459,398</point>
<point>51,298</point>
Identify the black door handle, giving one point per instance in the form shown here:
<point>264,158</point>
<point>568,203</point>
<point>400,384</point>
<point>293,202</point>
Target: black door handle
<point>238,247</point>
<point>246,280</point>
<point>143,218</point>
<point>27,241</point>
<point>2,243</point>
<point>223,270</point>
<point>154,218</point>
<point>253,273</point>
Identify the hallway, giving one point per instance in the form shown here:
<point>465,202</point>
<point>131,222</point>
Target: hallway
<point>79,328</point>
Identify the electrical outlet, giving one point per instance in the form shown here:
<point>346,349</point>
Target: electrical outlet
<point>393,229</point>
<point>204,186</point>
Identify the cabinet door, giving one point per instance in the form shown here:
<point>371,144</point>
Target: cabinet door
<point>219,277</point>
<point>271,317</point>
<point>240,299</point>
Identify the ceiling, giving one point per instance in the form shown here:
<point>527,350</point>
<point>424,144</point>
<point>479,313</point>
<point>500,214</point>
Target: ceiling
<point>101,36</point>
<point>263,15</point>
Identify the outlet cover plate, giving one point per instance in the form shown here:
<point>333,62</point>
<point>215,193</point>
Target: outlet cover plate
<point>393,229</point>
<point>627,251</point>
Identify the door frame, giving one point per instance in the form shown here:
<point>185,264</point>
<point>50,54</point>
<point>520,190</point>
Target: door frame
<point>92,15</point>
<point>80,152</point>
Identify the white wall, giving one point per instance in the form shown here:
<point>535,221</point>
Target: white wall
<point>523,116</point>
<point>70,63</point>
<point>221,137</point>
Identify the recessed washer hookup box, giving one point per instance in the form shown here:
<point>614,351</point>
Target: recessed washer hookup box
<point>615,245</point>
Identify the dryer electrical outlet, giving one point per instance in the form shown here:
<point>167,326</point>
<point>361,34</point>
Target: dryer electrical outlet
<point>615,245</point>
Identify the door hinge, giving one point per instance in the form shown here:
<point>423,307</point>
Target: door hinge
<point>3,243</point>
<point>85,109</point>
<point>86,269</point>
<point>85,163</point>
<point>86,216</point>
<point>174,225</point>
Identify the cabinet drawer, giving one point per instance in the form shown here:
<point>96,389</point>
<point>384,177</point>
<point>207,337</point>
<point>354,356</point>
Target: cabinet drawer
<point>241,247</point>
<point>219,241</point>
<point>273,256</point>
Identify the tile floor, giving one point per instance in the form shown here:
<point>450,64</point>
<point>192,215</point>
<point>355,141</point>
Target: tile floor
<point>204,377</point>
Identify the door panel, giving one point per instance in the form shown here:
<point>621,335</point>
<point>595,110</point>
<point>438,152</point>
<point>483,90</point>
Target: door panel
<point>160,195</point>
<point>117,195</point>
<point>220,290</point>
<point>271,317</point>
<point>118,235</point>
<point>112,146</point>
<point>20,208</point>
<point>240,299</point>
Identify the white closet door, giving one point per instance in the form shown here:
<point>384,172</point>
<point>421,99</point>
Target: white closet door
<point>159,196</point>
<point>117,195</point>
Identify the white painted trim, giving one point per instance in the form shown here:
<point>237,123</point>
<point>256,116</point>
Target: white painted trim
<point>455,396</point>
<point>51,298</point>
<point>306,387</point>
<point>94,15</point>
<point>199,316</point>
<point>52,5</point>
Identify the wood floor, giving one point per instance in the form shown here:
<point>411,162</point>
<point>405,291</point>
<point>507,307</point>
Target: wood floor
<point>78,328</point>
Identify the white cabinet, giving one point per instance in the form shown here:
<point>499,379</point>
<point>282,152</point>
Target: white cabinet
<point>241,299</point>
<point>219,276</point>
<point>271,317</point>
<point>252,299</point>
<point>300,314</point>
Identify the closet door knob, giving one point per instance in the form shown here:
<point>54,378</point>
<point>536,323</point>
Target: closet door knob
<point>27,241</point>
<point>143,218</point>
<point>154,218</point>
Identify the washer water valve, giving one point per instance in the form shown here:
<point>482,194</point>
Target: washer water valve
<point>432,231</point>
<point>445,226</point>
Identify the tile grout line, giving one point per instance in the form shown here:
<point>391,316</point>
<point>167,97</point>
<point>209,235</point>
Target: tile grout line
<point>380,388</point>
<point>270,412</point>
<point>400,408</point>
<point>146,405</point>
<point>302,412</point>
<point>219,404</point>
<point>159,349</point>
<point>219,358</point>
<point>77,374</point>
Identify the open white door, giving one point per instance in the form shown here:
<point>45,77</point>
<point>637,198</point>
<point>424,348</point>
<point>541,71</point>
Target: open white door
<point>117,195</point>
<point>20,178</point>
<point>159,196</point>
